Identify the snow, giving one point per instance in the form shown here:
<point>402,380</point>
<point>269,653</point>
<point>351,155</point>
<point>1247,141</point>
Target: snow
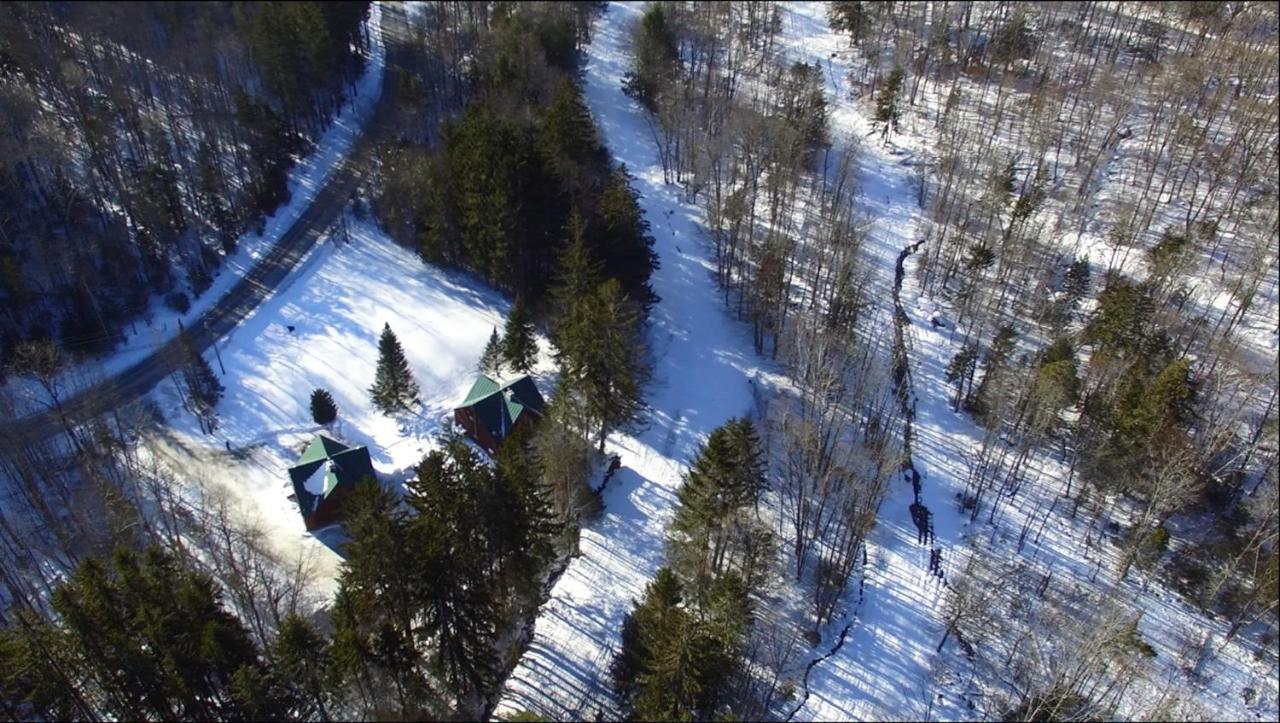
<point>306,178</point>
<point>315,483</point>
<point>704,368</point>
<point>337,302</point>
<point>889,666</point>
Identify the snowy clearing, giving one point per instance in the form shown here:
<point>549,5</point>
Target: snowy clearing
<point>337,302</point>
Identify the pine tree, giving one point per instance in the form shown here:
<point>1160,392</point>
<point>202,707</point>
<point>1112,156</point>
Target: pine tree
<point>491,359</point>
<point>394,387</point>
<point>519,344</point>
<point>726,478</point>
<point>604,365</point>
<point>578,276</point>
<point>323,409</point>
<point>887,101</point>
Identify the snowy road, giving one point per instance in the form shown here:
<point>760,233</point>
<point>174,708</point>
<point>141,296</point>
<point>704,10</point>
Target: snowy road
<point>703,363</point>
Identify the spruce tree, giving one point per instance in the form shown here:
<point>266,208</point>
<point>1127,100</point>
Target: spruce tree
<point>394,388</point>
<point>887,101</point>
<point>654,60</point>
<point>578,276</point>
<point>491,359</point>
<point>375,618</point>
<point>675,661</point>
<point>519,345</point>
<point>457,597</point>
<point>620,237</point>
<point>301,657</point>
<point>604,366</point>
<point>138,636</point>
<point>724,481</point>
<point>323,409</point>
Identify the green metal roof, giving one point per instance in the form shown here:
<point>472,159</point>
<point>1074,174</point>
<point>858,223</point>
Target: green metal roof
<point>341,465</point>
<point>483,387</point>
<point>499,406</point>
<point>321,448</point>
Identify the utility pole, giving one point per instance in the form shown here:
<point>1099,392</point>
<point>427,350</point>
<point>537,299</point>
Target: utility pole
<point>213,341</point>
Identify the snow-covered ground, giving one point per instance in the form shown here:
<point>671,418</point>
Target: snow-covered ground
<point>883,670</point>
<point>337,302</point>
<point>160,323</point>
<point>704,373</point>
<point>888,667</point>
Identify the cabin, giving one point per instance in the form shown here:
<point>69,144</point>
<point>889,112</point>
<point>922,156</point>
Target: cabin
<point>493,411</point>
<point>325,475</point>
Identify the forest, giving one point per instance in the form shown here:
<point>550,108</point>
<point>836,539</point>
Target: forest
<point>498,174</point>
<point>1135,374</point>
<point>932,357</point>
<point>141,141</point>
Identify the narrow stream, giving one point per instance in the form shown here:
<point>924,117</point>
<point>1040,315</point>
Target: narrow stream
<point>904,389</point>
<point>920,515</point>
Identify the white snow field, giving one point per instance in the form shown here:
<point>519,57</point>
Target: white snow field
<point>306,178</point>
<point>337,302</point>
<point>703,377</point>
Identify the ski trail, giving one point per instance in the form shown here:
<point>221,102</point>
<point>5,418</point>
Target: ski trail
<point>703,360</point>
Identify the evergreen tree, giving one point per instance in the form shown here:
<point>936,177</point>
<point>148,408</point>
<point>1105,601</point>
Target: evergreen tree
<point>203,388</point>
<point>394,387</point>
<point>620,236</point>
<point>725,479</point>
<point>578,276</point>
<point>674,663</point>
<point>851,17</point>
<point>604,365</point>
<point>654,58</point>
<point>960,372</point>
<point>525,525</point>
<point>993,365</point>
<point>887,101</point>
<point>491,359</point>
<point>376,608</point>
<point>641,628</point>
<point>138,637</point>
<point>569,141</point>
<point>301,658</point>
<point>323,409</point>
<point>460,554</point>
<point>519,343</point>
<point>1013,41</point>
<point>1076,281</point>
